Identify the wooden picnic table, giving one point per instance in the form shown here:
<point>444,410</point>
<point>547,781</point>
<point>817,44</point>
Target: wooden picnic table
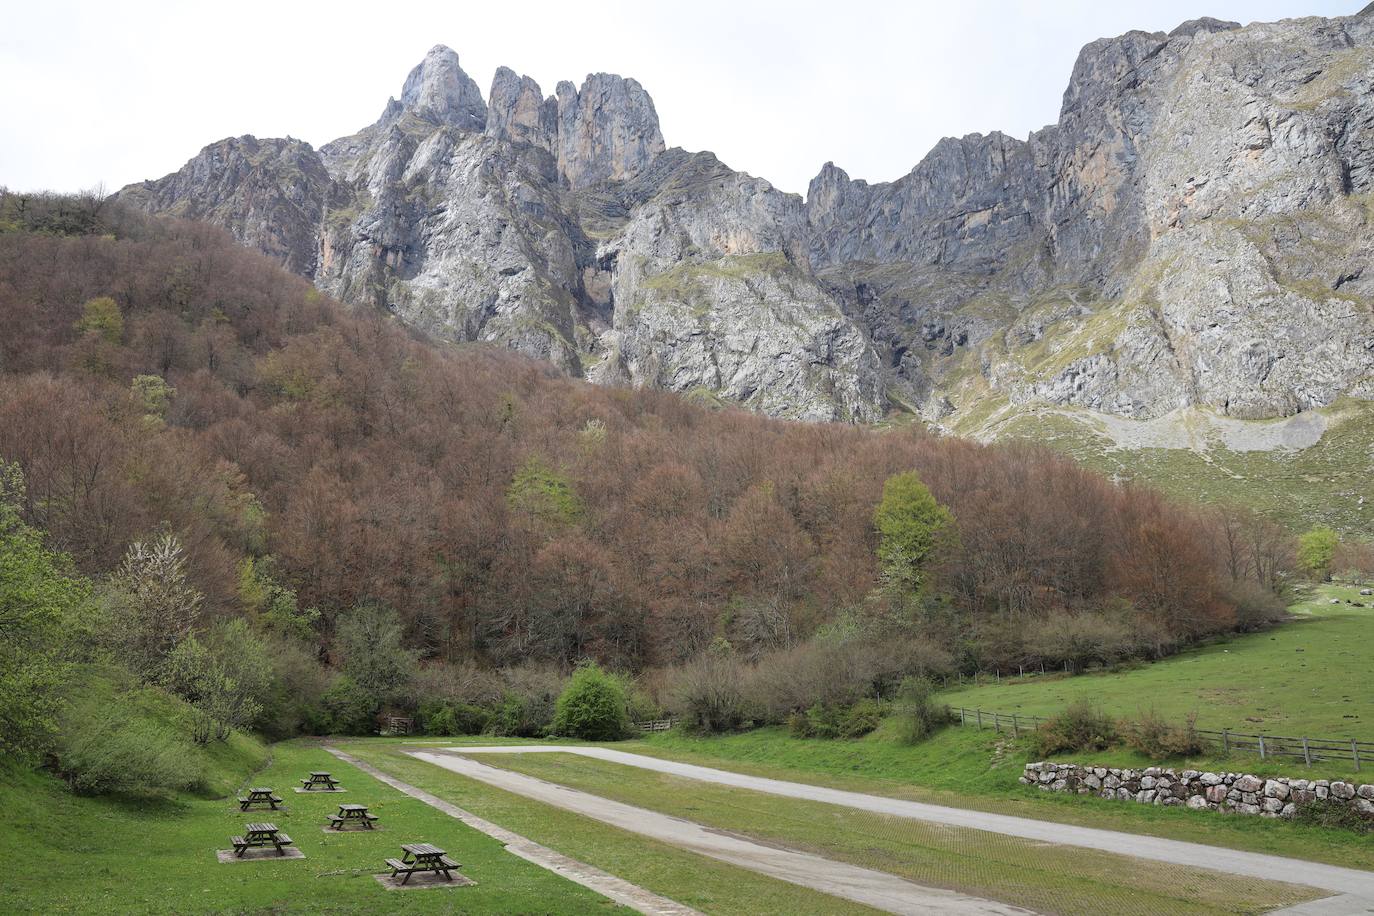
<point>356,813</point>
<point>319,779</point>
<point>422,857</point>
<point>260,834</point>
<point>258,796</point>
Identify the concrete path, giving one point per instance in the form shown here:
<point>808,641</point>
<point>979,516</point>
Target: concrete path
<point>862,885</point>
<point>608,885</point>
<point>1355,885</point>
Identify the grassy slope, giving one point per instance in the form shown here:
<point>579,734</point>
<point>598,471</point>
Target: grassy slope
<point>1305,677</point>
<point>104,855</point>
<point>705,884</point>
<point>1048,879</point>
<point>1316,485</point>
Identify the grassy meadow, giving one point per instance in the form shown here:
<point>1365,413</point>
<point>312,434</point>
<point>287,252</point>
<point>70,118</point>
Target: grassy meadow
<point>1307,677</point>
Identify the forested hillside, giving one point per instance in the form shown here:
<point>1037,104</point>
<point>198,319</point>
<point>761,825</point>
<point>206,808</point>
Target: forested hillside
<point>337,481</point>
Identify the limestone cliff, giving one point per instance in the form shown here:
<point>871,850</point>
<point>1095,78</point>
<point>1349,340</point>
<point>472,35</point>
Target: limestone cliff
<point>1194,231</point>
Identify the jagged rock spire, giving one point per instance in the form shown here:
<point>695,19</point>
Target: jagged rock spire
<point>439,89</point>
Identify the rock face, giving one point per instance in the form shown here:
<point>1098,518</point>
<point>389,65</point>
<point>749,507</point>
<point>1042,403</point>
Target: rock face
<point>1195,230</point>
<point>271,194</point>
<point>439,89</point>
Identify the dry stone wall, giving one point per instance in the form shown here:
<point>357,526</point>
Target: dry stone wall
<point>1240,793</point>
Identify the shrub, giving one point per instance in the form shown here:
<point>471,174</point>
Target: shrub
<point>592,706</point>
<point>526,705</point>
<point>835,721</point>
<point>1156,738</point>
<point>1080,727</point>
<point>1329,812</point>
<point>1080,640</point>
<point>918,716</point>
<point>349,709</point>
<point>294,702</point>
<point>117,739</point>
<point>456,718</point>
<point>708,694</point>
<point>1256,606</point>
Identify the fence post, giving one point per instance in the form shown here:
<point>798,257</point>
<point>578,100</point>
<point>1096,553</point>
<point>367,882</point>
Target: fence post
<point>1355,753</point>
<point>1226,741</point>
<point>997,722</point>
<point>980,720</point>
<point>1261,745</point>
<point>1306,754</point>
<point>961,715</point>
<point>1015,727</point>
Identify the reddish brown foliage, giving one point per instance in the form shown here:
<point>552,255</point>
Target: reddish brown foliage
<point>375,465</point>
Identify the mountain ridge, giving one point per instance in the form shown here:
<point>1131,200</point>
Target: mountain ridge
<point>1192,232</point>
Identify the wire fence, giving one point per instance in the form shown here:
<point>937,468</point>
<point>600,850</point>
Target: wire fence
<point>1307,749</point>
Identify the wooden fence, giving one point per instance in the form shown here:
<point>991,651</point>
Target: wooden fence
<point>657,725</point>
<point>1306,749</point>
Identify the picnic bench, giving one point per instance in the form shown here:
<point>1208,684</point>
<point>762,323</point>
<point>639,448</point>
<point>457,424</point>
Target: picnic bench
<point>422,857</point>
<point>355,813</point>
<point>320,780</point>
<point>258,796</point>
<point>260,835</point>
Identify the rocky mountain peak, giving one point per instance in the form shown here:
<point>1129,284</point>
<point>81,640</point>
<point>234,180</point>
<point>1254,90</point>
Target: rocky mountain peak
<point>519,113</point>
<point>607,130</point>
<point>1194,231</point>
<point>1204,24</point>
<point>439,89</point>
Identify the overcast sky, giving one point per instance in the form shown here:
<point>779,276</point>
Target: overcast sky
<point>116,92</point>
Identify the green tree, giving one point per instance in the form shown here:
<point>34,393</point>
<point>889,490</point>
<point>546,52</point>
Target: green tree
<point>1316,550</point>
<point>152,394</point>
<point>592,706</point>
<point>40,600</point>
<point>226,679</point>
<point>910,527</point>
<point>101,317</point>
<point>376,666</point>
<point>272,604</point>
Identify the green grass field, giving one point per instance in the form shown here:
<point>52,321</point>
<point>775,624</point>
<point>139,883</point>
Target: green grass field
<point>1307,677</point>
<point>67,854</point>
<point>1048,879</point>
<point>706,884</point>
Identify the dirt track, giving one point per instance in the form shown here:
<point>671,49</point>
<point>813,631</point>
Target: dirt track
<point>1354,887</point>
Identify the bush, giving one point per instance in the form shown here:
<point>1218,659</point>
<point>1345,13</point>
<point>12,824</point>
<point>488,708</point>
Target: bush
<point>592,706</point>
<point>526,705</point>
<point>1080,727</point>
<point>1256,606</point>
<point>1157,739</point>
<point>349,709</point>
<point>1080,639</point>
<point>918,716</point>
<point>439,718</point>
<point>116,739</point>
<point>708,694</point>
<point>1329,812</point>
<point>835,721</point>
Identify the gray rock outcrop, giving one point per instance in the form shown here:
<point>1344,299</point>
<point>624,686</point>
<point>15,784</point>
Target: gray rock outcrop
<point>1194,230</point>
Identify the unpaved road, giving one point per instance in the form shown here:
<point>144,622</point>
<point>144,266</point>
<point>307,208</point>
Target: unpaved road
<point>862,885</point>
<point>1355,886</point>
<point>608,885</point>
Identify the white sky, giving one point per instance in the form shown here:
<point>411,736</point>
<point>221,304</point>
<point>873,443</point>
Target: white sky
<point>116,92</point>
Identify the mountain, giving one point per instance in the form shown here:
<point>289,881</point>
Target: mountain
<point>1191,235</point>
